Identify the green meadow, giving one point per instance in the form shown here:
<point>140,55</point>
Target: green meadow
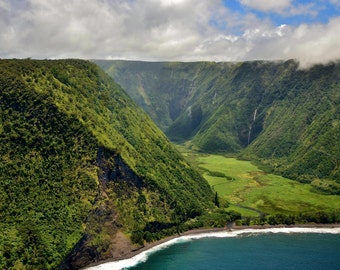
<point>252,191</point>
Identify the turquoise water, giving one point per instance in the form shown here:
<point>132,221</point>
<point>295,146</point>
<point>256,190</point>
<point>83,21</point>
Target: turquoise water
<point>298,251</point>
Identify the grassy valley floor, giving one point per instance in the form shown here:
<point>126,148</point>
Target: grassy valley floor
<point>252,191</point>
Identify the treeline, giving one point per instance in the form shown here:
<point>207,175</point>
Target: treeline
<point>320,217</point>
<point>153,231</point>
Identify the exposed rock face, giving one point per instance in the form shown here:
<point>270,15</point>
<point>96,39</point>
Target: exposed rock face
<point>113,168</point>
<point>87,252</point>
<point>103,220</point>
<point>80,256</point>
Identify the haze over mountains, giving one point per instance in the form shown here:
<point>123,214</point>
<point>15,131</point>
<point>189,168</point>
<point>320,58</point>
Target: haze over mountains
<point>271,111</point>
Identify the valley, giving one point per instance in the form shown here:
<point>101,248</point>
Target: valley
<point>86,175</point>
<point>283,117</point>
<point>127,127</point>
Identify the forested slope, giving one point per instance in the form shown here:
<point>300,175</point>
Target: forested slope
<point>82,166</point>
<point>270,111</point>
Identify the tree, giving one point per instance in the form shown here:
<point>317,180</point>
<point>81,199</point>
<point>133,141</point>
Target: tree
<point>216,200</point>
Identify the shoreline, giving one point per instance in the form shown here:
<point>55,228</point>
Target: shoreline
<point>199,231</point>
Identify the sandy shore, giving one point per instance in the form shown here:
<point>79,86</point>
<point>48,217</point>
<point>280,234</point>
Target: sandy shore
<point>205,231</point>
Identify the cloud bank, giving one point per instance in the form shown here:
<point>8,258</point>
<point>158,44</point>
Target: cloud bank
<point>163,30</point>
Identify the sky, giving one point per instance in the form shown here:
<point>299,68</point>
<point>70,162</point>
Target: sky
<point>172,30</point>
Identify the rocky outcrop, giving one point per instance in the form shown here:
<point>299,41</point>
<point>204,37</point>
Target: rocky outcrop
<point>103,238</point>
<point>113,168</point>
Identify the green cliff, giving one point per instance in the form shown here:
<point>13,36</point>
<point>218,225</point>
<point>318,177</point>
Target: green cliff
<point>83,170</point>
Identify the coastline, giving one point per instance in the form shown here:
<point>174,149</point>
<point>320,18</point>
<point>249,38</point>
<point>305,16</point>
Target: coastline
<point>205,232</point>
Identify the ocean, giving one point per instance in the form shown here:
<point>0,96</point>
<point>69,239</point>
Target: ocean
<point>280,248</point>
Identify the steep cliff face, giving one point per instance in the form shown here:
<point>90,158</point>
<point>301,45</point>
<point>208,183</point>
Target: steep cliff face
<point>273,111</point>
<point>83,170</point>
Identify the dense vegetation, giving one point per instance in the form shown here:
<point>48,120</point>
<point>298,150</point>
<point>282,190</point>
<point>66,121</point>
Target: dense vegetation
<point>82,168</point>
<point>272,112</point>
<point>79,163</point>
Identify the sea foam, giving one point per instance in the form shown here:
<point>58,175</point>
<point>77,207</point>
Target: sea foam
<point>143,256</point>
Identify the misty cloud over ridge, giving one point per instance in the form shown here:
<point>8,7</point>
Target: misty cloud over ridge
<point>165,30</point>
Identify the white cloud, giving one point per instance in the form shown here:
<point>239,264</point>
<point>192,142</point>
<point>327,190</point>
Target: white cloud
<point>4,5</point>
<point>185,30</point>
<point>335,2</point>
<point>301,9</point>
<point>148,28</point>
<point>316,43</point>
<point>265,5</point>
<point>309,44</point>
<point>172,2</point>
<point>283,7</point>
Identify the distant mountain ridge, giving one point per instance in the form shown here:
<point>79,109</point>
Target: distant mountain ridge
<point>270,111</point>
